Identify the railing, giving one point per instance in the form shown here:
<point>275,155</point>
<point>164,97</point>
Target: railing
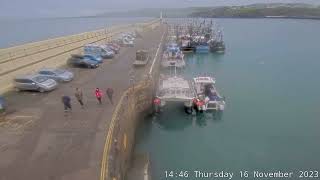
<point>121,132</point>
<point>53,52</point>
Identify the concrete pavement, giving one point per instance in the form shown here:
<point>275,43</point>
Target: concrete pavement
<point>38,142</point>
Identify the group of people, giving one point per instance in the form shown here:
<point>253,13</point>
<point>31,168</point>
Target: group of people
<point>66,100</point>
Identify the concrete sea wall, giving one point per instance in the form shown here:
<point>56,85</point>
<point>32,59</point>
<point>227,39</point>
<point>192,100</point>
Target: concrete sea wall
<point>133,106</point>
<point>28,58</point>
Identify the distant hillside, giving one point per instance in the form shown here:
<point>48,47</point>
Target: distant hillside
<point>152,12</point>
<point>258,11</point>
<point>297,10</point>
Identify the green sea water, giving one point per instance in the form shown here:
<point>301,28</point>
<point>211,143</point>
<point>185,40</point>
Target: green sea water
<point>270,78</point>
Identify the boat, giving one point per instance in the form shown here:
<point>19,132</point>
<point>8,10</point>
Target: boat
<point>175,89</point>
<point>201,44</point>
<point>185,44</point>
<point>217,45</point>
<point>202,48</point>
<point>207,96</point>
<point>173,57</point>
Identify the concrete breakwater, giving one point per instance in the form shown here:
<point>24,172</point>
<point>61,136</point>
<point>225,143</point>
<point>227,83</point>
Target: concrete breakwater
<point>134,104</point>
<point>31,57</point>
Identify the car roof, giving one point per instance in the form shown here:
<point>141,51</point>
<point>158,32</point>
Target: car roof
<point>28,76</point>
<point>87,59</point>
<point>48,69</point>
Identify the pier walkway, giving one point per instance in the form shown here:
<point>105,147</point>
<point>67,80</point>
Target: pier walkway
<point>37,140</point>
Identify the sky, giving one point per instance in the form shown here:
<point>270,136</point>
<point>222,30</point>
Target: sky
<point>60,8</point>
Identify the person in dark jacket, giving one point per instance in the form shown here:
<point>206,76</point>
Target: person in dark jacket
<point>110,94</point>
<point>66,100</point>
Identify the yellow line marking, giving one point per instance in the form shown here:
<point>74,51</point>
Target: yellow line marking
<point>105,158</point>
<point>156,55</point>
<point>23,125</point>
<point>20,116</point>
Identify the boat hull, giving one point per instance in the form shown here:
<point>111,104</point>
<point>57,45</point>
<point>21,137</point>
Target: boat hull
<point>202,49</point>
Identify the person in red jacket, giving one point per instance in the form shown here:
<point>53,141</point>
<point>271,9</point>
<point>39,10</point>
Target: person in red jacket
<point>98,94</point>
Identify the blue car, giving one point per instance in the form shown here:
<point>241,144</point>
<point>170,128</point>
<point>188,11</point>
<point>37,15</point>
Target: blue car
<point>2,105</point>
<point>93,58</point>
<point>98,50</point>
<point>82,61</point>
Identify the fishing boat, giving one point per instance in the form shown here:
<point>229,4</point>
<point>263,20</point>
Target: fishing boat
<point>202,45</point>
<point>202,48</point>
<point>207,96</point>
<point>185,42</point>
<point>174,89</point>
<point>173,57</point>
<point>186,46</point>
<point>217,45</point>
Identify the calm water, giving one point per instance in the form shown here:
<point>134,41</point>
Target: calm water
<point>270,77</point>
<point>19,31</point>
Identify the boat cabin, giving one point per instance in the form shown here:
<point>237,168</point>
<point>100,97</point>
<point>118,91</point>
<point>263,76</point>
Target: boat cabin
<point>203,83</point>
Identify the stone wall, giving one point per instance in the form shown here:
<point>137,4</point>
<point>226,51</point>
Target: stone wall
<point>28,58</point>
<point>134,105</point>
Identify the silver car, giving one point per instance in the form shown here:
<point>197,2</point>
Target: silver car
<point>59,75</point>
<point>35,83</point>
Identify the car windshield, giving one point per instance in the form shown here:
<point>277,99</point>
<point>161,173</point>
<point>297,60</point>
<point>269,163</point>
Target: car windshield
<point>59,71</point>
<point>39,79</point>
<point>90,61</point>
<point>88,57</point>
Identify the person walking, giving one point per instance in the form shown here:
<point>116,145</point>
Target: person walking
<point>66,100</point>
<point>98,94</point>
<point>79,95</point>
<point>110,94</point>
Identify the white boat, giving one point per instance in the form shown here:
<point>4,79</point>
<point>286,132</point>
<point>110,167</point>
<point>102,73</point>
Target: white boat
<point>175,89</point>
<point>173,57</point>
<point>208,97</point>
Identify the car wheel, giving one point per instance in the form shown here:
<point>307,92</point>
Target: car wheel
<point>41,90</point>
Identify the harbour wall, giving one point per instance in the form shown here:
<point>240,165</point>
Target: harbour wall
<point>133,106</point>
<point>31,57</point>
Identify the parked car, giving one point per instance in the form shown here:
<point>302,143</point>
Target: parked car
<point>115,48</point>
<point>98,50</point>
<point>2,105</point>
<point>59,75</point>
<point>128,36</point>
<point>35,82</point>
<point>119,41</point>
<point>82,61</point>
<point>93,58</point>
<point>127,42</point>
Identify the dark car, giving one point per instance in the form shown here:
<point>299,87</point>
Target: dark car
<point>2,105</point>
<point>82,61</point>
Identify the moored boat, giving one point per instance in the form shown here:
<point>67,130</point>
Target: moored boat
<point>207,96</point>
<point>175,89</point>
<point>173,57</point>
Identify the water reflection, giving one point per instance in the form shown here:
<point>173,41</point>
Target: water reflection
<point>201,120</point>
<point>172,117</point>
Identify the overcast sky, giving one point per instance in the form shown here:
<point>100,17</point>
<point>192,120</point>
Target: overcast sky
<point>45,8</point>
